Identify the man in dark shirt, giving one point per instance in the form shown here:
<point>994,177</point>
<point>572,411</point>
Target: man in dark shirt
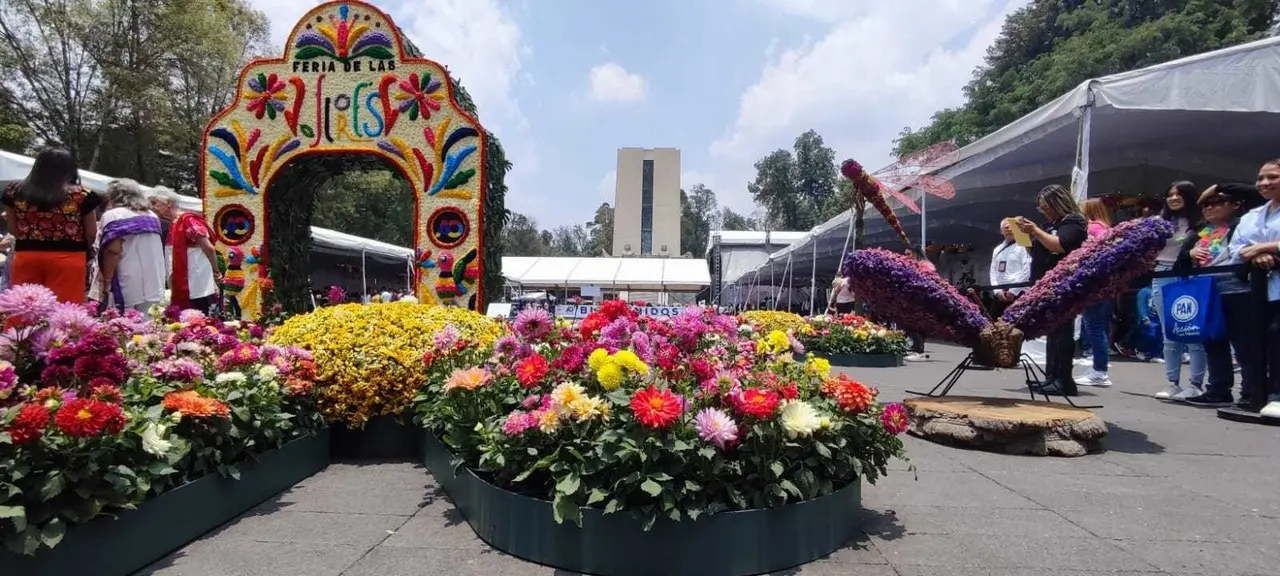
<point>1065,232</point>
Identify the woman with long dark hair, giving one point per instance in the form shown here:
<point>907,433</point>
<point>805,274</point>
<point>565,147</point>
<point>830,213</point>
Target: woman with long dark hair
<point>1181,208</point>
<point>52,219</point>
<point>1063,234</point>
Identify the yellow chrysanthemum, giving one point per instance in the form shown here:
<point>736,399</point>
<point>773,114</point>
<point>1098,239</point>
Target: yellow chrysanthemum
<point>770,320</point>
<point>819,366</point>
<point>597,359</point>
<point>610,376</point>
<point>632,363</point>
<point>778,341</point>
<point>369,358</point>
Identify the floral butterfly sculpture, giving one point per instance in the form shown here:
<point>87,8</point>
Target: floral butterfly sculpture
<point>920,301</point>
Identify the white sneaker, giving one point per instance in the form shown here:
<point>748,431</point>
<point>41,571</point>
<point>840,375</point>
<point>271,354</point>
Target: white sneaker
<point>1190,391</point>
<point>1094,378</point>
<point>1173,389</point>
<point>1083,362</point>
<point>1271,410</point>
<point>915,357</point>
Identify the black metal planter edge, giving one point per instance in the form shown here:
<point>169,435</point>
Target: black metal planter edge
<point>382,438</point>
<point>136,538</point>
<point>741,543</point>
<point>864,360</point>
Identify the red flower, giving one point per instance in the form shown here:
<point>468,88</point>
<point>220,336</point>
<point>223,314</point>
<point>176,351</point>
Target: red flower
<point>702,370</point>
<point>103,389</point>
<point>850,395</point>
<point>531,370</point>
<point>655,408</point>
<point>32,419</point>
<point>614,309</point>
<point>593,323</point>
<point>789,391</point>
<point>757,403</point>
<point>84,418</point>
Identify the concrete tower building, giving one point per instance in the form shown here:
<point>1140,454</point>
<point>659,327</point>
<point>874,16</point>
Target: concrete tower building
<point>646,208</point>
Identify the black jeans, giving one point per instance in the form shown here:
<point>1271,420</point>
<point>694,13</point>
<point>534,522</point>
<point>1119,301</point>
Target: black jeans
<point>1241,330</point>
<point>917,343</point>
<point>1060,351</point>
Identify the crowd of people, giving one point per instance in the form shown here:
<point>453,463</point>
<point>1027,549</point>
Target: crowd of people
<point>119,250</point>
<point>1231,227</point>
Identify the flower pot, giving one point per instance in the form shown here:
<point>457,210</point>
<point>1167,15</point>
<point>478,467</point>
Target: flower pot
<point>382,438</point>
<point>122,545</point>
<point>730,543</point>
<point>865,360</point>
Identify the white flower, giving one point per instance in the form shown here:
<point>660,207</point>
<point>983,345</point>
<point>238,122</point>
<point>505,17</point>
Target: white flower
<point>798,418</point>
<point>175,417</point>
<point>410,299</point>
<point>153,441</point>
<point>268,372</point>
<point>232,324</point>
<point>230,378</point>
<point>194,348</point>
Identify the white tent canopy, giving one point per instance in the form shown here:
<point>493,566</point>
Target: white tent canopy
<point>16,166</point>
<point>1209,118</point>
<point>669,274</point>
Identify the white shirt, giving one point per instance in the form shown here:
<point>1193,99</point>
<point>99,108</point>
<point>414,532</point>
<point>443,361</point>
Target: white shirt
<point>843,294</point>
<point>142,269</point>
<point>1259,226</point>
<point>1010,264</point>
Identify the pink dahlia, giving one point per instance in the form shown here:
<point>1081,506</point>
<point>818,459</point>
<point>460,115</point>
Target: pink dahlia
<point>894,418</point>
<point>27,303</point>
<point>533,324</point>
<point>716,427</point>
<point>518,423</point>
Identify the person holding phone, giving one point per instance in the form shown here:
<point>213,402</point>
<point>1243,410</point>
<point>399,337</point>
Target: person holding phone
<point>1010,264</point>
<point>1064,232</point>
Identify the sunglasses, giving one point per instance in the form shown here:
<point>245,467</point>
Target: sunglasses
<point>1212,203</point>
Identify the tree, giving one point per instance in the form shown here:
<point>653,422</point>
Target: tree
<point>730,220</point>
<point>815,172</point>
<point>797,191</point>
<point>522,237</point>
<point>697,210</point>
<point>1050,46</point>
<point>15,135</point>
<point>570,241</point>
<point>774,189</point>
<point>375,204</point>
<point>600,230</point>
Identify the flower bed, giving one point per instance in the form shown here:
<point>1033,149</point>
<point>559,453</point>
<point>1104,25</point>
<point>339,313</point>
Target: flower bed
<point>369,358</point>
<point>99,415</point>
<point>851,340</point>
<point>667,420</point>
<point>766,321</point>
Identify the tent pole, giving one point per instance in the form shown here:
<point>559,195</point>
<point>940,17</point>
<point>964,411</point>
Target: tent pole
<point>813,277</point>
<point>364,278</point>
<point>791,283</point>
<point>773,284</point>
<point>1080,173</point>
<point>924,227</point>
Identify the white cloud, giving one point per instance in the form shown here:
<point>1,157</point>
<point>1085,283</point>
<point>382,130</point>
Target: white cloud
<point>610,82</point>
<point>883,65</point>
<point>480,42</point>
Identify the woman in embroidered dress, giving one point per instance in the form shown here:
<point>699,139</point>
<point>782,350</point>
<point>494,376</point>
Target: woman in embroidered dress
<point>52,219</point>
<point>130,269</point>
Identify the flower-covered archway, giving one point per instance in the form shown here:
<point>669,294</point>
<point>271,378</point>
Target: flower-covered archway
<point>346,85</point>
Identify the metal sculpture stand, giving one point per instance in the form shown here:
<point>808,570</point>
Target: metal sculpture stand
<point>1034,373</point>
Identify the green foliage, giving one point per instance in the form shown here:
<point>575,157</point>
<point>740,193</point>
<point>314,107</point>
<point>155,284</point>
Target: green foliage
<point>849,334</point>
<point>697,209</point>
<point>797,192</point>
<point>376,204</point>
<point>730,220</point>
<point>1049,47</point>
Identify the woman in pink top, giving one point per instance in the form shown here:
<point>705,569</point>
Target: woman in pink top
<point>1096,321</point>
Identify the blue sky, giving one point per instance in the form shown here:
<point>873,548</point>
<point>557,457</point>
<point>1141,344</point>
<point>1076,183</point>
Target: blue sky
<point>565,83</point>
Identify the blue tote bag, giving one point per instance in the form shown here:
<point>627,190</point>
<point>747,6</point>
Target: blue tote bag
<point>1192,311</point>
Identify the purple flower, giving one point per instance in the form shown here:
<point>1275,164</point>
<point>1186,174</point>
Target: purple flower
<point>506,346</point>
<point>617,334</point>
<point>915,298</point>
<point>178,369</point>
<point>533,324</point>
<point>27,303</point>
<point>72,319</point>
<point>716,427</point>
<point>1096,271</point>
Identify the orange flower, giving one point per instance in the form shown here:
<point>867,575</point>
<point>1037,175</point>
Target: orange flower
<point>850,395</point>
<point>531,370</point>
<point>85,418</point>
<point>655,408</point>
<point>468,379</point>
<point>191,403</point>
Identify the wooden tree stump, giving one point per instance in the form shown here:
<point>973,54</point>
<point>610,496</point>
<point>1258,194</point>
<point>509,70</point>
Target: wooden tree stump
<point>1007,425</point>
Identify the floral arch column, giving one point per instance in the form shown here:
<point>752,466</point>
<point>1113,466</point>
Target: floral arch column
<point>346,86</point>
